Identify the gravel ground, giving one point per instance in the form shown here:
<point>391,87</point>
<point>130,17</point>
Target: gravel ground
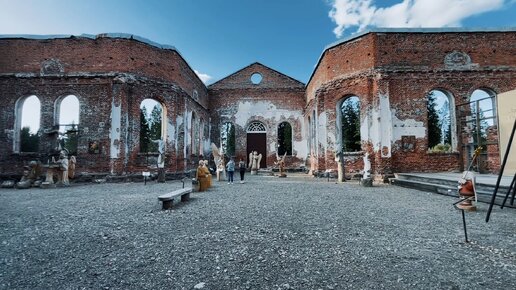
<point>269,233</point>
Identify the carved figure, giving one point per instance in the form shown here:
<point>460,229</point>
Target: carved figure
<point>161,159</point>
<point>207,171</point>
<point>280,162</point>
<point>218,157</point>
<point>201,177</point>
<point>367,166</point>
<point>312,164</point>
<point>366,180</point>
<point>254,162</point>
<point>30,175</point>
<point>58,168</point>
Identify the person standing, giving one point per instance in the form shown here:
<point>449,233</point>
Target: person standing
<point>241,166</point>
<point>231,170</point>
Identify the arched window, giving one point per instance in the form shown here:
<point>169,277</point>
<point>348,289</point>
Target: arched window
<point>309,135</point>
<point>227,139</point>
<point>483,104</point>
<point>195,135</point>
<point>151,125</point>
<point>201,137</point>
<point>314,133</point>
<point>28,124</point>
<point>68,122</point>
<point>284,139</point>
<point>440,121</point>
<point>349,116</point>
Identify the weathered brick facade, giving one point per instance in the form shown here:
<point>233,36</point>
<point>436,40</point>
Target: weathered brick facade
<point>390,71</point>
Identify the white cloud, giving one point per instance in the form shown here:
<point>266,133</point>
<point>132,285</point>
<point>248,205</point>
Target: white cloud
<point>360,14</point>
<point>204,77</point>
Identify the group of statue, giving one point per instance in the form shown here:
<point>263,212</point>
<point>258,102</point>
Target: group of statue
<point>58,172</point>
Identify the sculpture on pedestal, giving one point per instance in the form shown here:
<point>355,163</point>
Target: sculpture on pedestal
<point>161,159</point>
<point>280,162</point>
<point>254,162</point>
<point>30,175</point>
<point>219,162</point>
<point>60,169</point>
<point>366,180</point>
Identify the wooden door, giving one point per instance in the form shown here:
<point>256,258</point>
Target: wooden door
<point>257,142</point>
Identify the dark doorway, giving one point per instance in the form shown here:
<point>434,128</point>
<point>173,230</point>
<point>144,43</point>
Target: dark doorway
<point>257,142</point>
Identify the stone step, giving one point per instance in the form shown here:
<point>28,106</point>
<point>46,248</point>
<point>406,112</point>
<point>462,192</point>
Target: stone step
<point>447,187</point>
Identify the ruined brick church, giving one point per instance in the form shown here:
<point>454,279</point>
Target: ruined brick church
<point>387,77</point>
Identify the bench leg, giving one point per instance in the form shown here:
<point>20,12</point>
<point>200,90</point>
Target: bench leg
<point>185,197</point>
<point>167,204</point>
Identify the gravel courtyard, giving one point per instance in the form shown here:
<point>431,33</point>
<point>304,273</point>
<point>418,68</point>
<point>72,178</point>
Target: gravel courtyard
<point>269,233</point>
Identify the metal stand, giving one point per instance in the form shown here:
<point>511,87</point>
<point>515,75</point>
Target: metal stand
<point>463,216</point>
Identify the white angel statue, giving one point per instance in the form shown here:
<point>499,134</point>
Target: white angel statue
<point>254,161</point>
<point>218,157</point>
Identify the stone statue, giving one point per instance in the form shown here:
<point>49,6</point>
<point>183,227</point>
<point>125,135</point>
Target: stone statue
<point>218,157</point>
<point>280,162</point>
<point>313,160</point>
<point>58,168</point>
<point>367,166</point>
<point>201,176</point>
<point>161,159</point>
<point>207,171</point>
<point>366,180</point>
<point>254,162</point>
<point>30,175</point>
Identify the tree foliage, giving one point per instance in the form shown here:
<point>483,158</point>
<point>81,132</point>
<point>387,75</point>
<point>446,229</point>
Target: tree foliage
<point>284,139</point>
<point>228,139</point>
<point>434,128</point>
<point>28,142</point>
<point>350,117</point>
<point>150,128</point>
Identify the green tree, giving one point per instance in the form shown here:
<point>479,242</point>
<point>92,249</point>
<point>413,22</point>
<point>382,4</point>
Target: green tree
<point>284,139</point>
<point>350,112</point>
<point>71,139</point>
<point>28,142</point>
<point>434,130</point>
<point>154,128</point>
<point>144,131</point>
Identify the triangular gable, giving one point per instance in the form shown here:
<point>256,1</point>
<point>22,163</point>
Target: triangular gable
<point>271,79</point>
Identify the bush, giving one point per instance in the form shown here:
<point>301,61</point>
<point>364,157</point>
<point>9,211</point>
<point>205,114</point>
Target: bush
<point>441,148</point>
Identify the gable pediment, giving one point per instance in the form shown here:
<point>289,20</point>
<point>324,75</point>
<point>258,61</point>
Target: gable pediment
<point>257,76</point>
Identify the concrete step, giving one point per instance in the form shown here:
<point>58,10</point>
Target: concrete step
<point>449,187</point>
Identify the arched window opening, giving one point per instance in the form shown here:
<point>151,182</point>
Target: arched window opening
<point>68,123</point>
<point>482,118</point>
<point>309,135</point>
<point>227,139</point>
<point>29,124</point>
<point>349,111</point>
<point>439,121</point>
<point>313,133</point>
<point>284,139</point>
<point>151,124</point>
<point>195,135</point>
<point>483,107</point>
<point>201,136</point>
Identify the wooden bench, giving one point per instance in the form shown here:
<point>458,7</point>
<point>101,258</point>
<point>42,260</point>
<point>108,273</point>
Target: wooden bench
<point>168,198</point>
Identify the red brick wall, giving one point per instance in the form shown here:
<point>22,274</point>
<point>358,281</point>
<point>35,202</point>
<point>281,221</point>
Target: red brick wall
<point>404,67</point>
<point>283,93</point>
<point>99,72</point>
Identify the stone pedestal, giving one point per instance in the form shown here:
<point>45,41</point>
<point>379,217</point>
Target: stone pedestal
<point>366,182</point>
<point>254,172</point>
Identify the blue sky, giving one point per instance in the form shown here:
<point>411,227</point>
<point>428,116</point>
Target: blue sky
<point>219,37</point>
